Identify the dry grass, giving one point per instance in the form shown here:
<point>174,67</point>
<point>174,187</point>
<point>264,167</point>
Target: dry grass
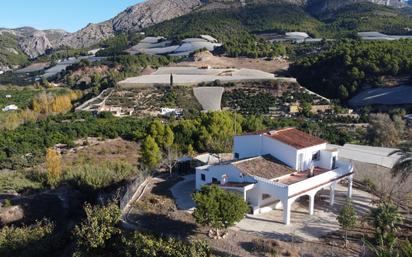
<point>94,151</point>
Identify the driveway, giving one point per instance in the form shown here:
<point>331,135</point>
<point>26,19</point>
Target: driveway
<point>182,192</point>
<point>303,225</point>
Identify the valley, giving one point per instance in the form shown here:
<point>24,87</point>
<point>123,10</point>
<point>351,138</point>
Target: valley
<point>208,128</point>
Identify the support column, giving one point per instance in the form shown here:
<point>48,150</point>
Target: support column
<point>332,195</point>
<point>286,211</point>
<point>259,202</point>
<point>244,195</point>
<point>311,204</point>
<point>350,184</point>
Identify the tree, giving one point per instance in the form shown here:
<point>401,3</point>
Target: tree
<point>100,225</point>
<point>190,151</point>
<point>347,219</point>
<point>306,109</point>
<point>53,166</point>
<point>403,166</point>
<point>382,131</point>
<point>218,208</point>
<point>171,158</point>
<point>386,219</point>
<point>151,154</point>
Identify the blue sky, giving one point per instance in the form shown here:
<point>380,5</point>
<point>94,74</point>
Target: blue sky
<point>70,15</point>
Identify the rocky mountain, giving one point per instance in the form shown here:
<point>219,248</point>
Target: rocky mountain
<point>35,42</point>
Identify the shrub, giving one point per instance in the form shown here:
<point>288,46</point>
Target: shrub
<point>17,182</point>
<point>33,241</point>
<point>218,208</point>
<point>99,176</point>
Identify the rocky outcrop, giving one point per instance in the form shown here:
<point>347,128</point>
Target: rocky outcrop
<point>152,12</point>
<point>90,35</point>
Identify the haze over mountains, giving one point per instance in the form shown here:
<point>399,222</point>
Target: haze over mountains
<point>36,42</point>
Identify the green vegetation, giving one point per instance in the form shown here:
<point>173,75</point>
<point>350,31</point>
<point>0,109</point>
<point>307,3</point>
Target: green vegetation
<point>385,131</point>
<point>98,227</point>
<point>116,45</point>
<point>100,235</point>
<point>249,101</point>
<point>26,145</point>
<point>346,66</point>
<point>364,17</point>
<point>386,221</point>
<point>218,208</point>
<point>347,218</point>
<point>21,97</point>
<point>18,181</point>
<point>62,53</point>
<point>10,53</point>
<point>234,27</point>
<point>99,175</point>
<point>37,240</point>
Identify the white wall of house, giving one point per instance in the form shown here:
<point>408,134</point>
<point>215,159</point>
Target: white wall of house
<point>326,159</point>
<point>299,159</point>
<point>210,172</point>
<point>279,150</point>
<point>305,155</point>
<point>247,146</point>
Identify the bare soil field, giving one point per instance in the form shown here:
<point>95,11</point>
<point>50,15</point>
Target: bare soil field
<point>205,59</point>
<point>94,150</point>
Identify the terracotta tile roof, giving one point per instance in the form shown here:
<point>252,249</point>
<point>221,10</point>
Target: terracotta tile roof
<point>295,138</point>
<point>265,166</point>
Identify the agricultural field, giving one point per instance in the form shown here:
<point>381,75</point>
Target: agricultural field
<point>149,100</point>
<point>267,97</point>
<point>21,97</point>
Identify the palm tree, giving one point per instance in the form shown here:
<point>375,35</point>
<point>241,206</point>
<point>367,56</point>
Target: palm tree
<point>403,167</point>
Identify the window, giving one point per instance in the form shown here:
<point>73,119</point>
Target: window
<point>237,155</point>
<point>265,196</point>
<point>215,180</point>
<point>315,156</point>
<point>203,177</point>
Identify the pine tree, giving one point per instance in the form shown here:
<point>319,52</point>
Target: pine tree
<point>151,154</point>
<point>218,208</point>
<point>347,219</point>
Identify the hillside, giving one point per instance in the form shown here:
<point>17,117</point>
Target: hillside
<point>220,18</point>
<point>231,24</point>
<point>10,53</point>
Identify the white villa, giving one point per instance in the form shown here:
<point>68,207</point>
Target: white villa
<point>273,169</point>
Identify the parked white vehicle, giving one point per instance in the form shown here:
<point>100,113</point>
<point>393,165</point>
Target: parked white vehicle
<point>9,108</point>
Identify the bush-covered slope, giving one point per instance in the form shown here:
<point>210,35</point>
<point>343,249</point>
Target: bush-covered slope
<point>365,17</point>
<point>10,53</point>
<point>227,24</point>
<point>346,66</point>
<point>234,27</point>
